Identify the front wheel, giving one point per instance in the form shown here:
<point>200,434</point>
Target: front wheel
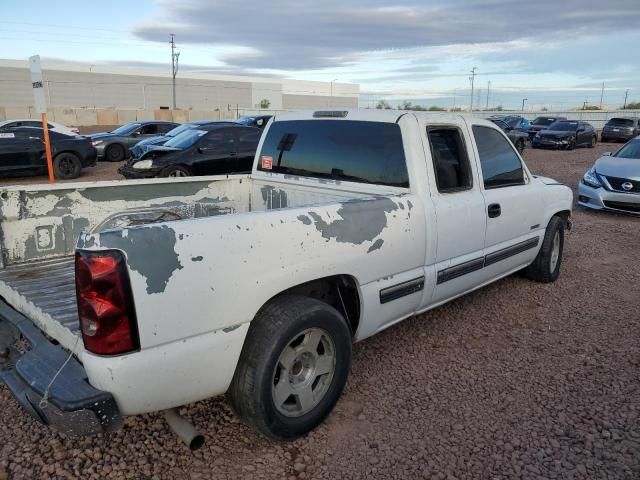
<point>115,153</point>
<point>293,367</point>
<point>176,171</point>
<point>546,267</point>
<point>593,142</point>
<point>520,146</point>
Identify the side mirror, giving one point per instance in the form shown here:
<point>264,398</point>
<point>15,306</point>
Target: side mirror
<point>606,154</point>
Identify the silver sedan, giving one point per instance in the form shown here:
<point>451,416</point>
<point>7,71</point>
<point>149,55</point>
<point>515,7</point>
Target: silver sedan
<point>613,183</point>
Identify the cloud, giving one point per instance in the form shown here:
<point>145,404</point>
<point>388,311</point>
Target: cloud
<point>288,35</point>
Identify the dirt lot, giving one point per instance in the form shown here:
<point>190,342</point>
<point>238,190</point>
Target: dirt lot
<point>518,380</point>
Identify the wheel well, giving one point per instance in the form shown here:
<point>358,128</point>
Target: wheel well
<point>339,291</point>
<point>565,215</point>
<point>66,151</point>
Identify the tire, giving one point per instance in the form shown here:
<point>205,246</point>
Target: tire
<point>67,165</point>
<point>176,171</point>
<point>115,153</point>
<point>604,140</point>
<point>571,146</point>
<point>546,267</point>
<point>277,346</point>
<point>593,142</point>
<point>520,146</point>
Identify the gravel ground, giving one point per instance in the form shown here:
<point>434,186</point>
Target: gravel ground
<point>517,380</point>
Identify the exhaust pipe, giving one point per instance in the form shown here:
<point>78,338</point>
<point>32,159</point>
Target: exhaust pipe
<point>184,429</point>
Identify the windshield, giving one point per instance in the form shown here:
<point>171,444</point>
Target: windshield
<point>630,150</point>
<point>126,129</point>
<point>621,122</point>
<point>499,122</point>
<point>564,126</point>
<point>178,130</point>
<point>511,121</point>
<point>185,139</point>
<point>544,121</point>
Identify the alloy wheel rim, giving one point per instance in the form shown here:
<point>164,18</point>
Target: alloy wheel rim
<point>303,374</point>
<point>555,252</point>
<point>177,173</point>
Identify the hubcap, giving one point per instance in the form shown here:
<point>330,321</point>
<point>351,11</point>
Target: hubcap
<point>555,252</point>
<point>303,373</point>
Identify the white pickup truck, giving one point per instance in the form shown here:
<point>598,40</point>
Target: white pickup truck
<point>128,297</point>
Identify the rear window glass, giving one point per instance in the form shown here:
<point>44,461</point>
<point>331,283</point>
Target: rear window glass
<point>564,126</point>
<point>543,121</point>
<point>621,122</point>
<point>365,152</point>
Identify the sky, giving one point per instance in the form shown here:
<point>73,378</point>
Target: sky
<point>553,53</point>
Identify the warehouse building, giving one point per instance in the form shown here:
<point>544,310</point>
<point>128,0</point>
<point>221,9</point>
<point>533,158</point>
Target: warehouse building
<point>78,86</point>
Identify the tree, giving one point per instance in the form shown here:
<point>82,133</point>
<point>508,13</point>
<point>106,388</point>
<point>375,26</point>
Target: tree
<point>265,103</point>
<point>435,108</point>
<point>633,106</point>
<point>383,105</point>
<point>406,105</point>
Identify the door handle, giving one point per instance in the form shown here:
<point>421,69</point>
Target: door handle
<point>494,210</point>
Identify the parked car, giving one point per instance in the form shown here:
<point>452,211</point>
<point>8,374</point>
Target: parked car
<point>213,149</point>
<point>613,183</point>
<point>22,152</point>
<point>620,128</point>
<point>114,146</point>
<point>542,123</point>
<point>257,285</point>
<point>52,126</point>
<point>142,145</point>
<point>259,121</point>
<point>517,135</point>
<point>566,134</point>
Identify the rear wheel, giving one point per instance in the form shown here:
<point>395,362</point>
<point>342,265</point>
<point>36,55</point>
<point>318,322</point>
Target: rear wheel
<point>546,267</point>
<point>176,171</point>
<point>66,166</point>
<point>293,367</point>
<point>115,153</point>
<point>593,142</point>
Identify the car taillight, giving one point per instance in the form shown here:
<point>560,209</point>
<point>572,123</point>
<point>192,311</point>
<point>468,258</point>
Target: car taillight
<point>105,303</point>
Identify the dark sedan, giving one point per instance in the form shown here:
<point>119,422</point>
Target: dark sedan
<point>566,134</point>
<point>114,146</point>
<point>209,150</point>
<point>621,128</point>
<point>542,123</point>
<point>22,152</point>
<point>513,127</point>
<point>140,147</point>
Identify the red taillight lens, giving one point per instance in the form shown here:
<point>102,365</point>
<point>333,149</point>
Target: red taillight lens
<point>105,303</point>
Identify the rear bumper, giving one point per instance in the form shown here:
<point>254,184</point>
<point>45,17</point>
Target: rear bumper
<point>28,363</point>
<point>610,135</point>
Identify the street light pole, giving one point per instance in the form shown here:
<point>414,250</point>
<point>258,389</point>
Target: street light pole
<point>331,93</point>
<point>472,78</point>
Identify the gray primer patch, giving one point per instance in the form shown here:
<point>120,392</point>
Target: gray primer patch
<point>376,245</point>
<point>274,198</point>
<point>304,219</point>
<point>143,192</point>
<point>150,252</point>
<point>231,328</point>
<point>197,259</point>
<point>362,220</point>
<point>410,204</point>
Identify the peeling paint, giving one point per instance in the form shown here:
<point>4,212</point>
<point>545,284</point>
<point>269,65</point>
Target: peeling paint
<point>362,220</point>
<point>376,245</point>
<point>231,328</point>
<point>197,259</point>
<point>273,197</point>
<point>304,219</point>
<point>150,252</point>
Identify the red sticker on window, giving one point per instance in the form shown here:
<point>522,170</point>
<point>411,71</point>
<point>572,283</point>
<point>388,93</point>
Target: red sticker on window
<point>266,162</point>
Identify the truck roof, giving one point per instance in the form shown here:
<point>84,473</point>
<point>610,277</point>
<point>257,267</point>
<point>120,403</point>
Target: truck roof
<point>370,114</point>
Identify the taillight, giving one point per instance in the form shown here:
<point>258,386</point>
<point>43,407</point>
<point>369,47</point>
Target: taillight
<point>105,303</point>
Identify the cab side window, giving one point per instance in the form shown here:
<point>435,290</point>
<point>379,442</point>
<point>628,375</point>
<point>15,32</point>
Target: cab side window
<point>501,166</point>
<point>450,159</point>
<point>150,129</point>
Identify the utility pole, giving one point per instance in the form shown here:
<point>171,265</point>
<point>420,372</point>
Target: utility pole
<point>472,78</point>
<point>331,94</point>
<point>601,95</point>
<point>626,97</point>
<point>455,92</point>
<point>174,66</point>
<point>488,89</point>
<point>524,100</point>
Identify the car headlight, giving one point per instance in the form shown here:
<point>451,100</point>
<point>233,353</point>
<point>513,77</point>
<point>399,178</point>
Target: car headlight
<point>591,179</point>
<point>97,142</point>
<point>143,165</point>
<point>538,135</point>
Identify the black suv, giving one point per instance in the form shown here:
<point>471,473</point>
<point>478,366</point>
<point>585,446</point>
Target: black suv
<point>620,128</point>
<point>567,135</point>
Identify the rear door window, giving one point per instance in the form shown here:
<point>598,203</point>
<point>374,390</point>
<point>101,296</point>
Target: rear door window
<point>355,151</point>
<point>501,166</point>
<point>450,161</point>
